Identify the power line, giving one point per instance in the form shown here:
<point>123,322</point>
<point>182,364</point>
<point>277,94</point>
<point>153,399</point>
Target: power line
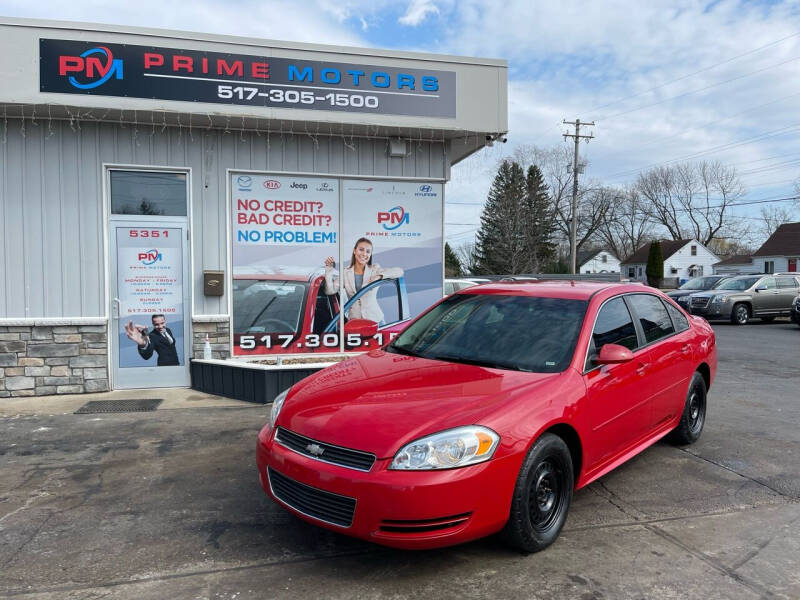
<point>702,89</point>
<point>659,86</point>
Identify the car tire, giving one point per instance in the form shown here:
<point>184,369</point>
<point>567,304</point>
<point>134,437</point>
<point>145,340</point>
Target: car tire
<point>693,417</point>
<point>768,319</point>
<point>740,314</point>
<point>542,496</point>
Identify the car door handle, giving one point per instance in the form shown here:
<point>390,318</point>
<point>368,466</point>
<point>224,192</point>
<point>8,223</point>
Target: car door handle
<point>685,349</point>
<point>641,369</point>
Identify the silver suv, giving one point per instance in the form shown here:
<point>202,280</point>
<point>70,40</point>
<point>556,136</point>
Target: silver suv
<point>746,296</point>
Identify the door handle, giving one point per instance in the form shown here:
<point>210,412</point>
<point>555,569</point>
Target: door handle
<point>115,304</point>
<point>685,349</point>
<point>641,369</point>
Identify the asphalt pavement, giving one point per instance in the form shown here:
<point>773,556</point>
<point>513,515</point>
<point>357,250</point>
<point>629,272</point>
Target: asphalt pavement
<point>167,504</point>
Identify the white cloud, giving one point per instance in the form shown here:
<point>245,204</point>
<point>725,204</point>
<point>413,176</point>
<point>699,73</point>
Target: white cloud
<point>417,11</point>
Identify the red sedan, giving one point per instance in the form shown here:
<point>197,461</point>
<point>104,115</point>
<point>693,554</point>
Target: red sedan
<point>486,413</point>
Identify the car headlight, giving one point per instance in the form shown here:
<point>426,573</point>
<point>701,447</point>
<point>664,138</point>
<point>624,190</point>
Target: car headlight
<point>797,302</point>
<point>719,298</point>
<point>277,405</point>
<point>457,447</point>
<point>682,299</point>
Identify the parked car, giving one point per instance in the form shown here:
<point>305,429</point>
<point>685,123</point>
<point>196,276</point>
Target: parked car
<point>795,316</point>
<point>454,285</point>
<point>738,299</point>
<point>698,284</point>
<point>285,310</point>
<point>486,412</point>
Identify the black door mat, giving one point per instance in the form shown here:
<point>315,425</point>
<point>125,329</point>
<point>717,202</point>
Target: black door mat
<point>119,406</point>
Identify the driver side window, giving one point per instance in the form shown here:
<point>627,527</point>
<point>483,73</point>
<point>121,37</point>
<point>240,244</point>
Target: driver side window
<point>613,326</point>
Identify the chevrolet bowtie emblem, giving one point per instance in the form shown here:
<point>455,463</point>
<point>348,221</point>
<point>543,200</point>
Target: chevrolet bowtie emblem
<point>315,449</point>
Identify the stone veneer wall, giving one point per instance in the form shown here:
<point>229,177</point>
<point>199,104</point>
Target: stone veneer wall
<point>218,329</point>
<point>39,360</point>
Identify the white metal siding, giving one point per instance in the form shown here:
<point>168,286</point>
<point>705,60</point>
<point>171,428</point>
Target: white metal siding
<point>596,264</point>
<point>683,259</point>
<point>51,198</point>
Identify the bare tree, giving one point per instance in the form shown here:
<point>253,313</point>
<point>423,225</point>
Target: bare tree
<point>774,216</point>
<point>594,202</point>
<point>693,200</point>
<point>465,253</point>
<point>628,224</point>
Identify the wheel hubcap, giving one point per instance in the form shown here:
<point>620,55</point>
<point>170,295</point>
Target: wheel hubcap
<point>545,493</point>
<point>741,314</point>
<point>695,410</point>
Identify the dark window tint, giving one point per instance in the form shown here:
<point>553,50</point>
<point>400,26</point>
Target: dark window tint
<point>152,193</point>
<point>614,326</point>
<point>679,320</point>
<point>653,317</point>
<point>786,282</point>
<point>521,333</point>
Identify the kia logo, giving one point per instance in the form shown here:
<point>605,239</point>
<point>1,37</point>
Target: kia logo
<point>271,184</point>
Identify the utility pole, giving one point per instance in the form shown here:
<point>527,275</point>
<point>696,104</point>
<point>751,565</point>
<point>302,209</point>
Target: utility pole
<point>573,241</point>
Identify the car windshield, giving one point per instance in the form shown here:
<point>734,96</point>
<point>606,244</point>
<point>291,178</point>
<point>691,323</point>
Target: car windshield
<point>267,306</point>
<point>521,333</point>
<point>700,283</point>
<point>738,284</point>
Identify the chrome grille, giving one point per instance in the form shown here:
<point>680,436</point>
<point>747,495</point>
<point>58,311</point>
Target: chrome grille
<point>335,455</point>
<point>311,501</point>
<point>700,302</point>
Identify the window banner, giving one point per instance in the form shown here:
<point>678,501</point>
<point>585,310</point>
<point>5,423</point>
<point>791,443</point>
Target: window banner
<point>392,257</point>
<point>283,228</point>
<point>288,287</point>
<point>150,293</point>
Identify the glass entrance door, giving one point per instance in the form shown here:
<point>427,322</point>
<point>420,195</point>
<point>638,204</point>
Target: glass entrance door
<point>150,320</point>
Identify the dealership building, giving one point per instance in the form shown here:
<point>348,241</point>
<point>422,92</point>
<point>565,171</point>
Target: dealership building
<point>165,189</point>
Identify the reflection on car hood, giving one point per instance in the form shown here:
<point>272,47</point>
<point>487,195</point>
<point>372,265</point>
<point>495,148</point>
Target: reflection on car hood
<point>379,401</point>
<point>708,294</point>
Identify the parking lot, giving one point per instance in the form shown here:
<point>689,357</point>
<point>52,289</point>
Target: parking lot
<point>167,505</point>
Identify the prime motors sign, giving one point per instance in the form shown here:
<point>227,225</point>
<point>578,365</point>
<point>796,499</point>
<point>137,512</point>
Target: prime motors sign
<point>99,68</point>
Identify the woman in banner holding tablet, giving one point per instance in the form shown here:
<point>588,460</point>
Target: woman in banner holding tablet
<point>360,273</point>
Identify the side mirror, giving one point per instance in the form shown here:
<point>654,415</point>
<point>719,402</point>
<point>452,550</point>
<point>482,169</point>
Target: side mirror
<point>613,354</point>
<point>361,327</point>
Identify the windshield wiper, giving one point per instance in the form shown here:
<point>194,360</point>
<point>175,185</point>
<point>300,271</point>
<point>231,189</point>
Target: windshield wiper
<point>472,361</point>
<point>401,350</point>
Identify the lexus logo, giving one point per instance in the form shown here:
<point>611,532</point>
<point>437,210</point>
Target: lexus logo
<point>315,449</point>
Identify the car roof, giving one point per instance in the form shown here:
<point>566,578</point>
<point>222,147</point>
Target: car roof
<point>568,290</point>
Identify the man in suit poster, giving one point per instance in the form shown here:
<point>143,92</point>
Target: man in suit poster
<point>160,340</point>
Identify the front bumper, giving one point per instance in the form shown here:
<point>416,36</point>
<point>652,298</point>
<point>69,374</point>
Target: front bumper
<point>795,315</point>
<point>713,311</point>
<point>402,509</point>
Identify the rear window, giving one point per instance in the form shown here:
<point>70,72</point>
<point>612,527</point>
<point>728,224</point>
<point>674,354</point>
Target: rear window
<point>520,333</point>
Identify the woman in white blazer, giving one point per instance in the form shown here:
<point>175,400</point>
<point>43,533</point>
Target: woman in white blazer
<point>360,273</point>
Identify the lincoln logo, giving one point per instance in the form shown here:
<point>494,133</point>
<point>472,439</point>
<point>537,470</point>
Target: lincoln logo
<point>315,449</point>
<point>90,65</point>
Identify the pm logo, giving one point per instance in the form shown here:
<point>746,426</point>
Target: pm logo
<point>394,218</point>
<point>150,257</point>
<point>94,67</point>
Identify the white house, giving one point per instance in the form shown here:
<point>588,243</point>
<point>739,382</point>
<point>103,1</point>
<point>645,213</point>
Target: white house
<point>683,259</point>
<point>781,252</point>
<point>597,261</point>
<point>737,264</point>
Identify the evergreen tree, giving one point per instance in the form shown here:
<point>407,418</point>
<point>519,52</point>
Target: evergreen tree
<point>655,265</point>
<point>500,244</point>
<point>452,266</point>
<point>540,222</point>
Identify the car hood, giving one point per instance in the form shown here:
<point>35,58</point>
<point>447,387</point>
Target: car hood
<point>379,401</point>
<point>679,293</point>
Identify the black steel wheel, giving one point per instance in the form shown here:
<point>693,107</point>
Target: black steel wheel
<point>740,314</point>
<point>694,413</point>
<point>542,495</point>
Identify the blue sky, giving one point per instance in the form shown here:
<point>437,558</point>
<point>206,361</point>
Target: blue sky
<point>663,80</point>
